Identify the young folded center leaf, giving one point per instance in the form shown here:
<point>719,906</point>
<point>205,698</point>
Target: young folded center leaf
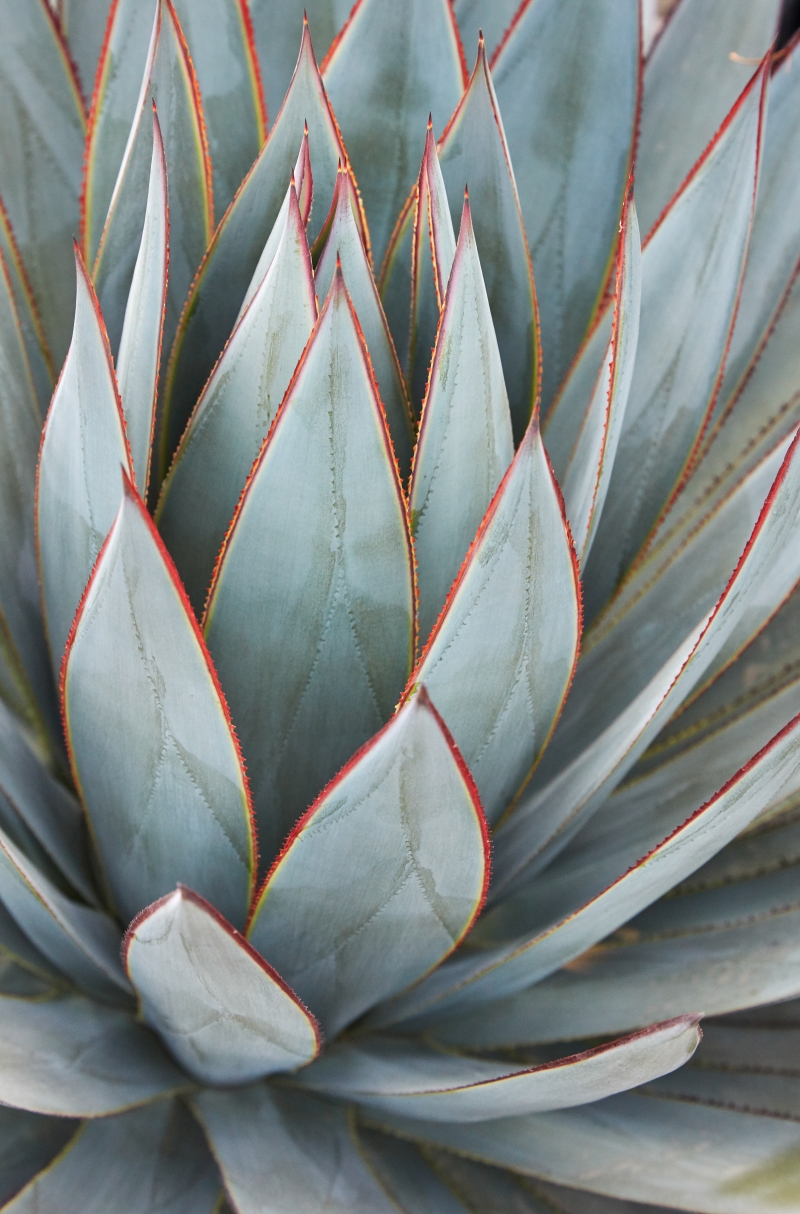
<point>311,613</point>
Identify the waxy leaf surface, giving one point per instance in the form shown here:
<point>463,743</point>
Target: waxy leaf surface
<point>236,410</point>
<point>220,1009</point>
<point>28,1142</point>
<point>153,751</point>
<point>491,19</point>
<point>278,27</point>
<point>384,875</point>
<point>405,1175</point>
<point>30,324</point>
<point>310,617</point>
<point>465,443</point>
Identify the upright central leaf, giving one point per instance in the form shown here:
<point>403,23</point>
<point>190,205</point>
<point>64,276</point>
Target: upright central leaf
<point>311,613</point>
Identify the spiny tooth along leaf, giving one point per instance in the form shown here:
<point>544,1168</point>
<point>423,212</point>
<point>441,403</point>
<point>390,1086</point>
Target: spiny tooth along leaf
<point>83,24</point>
<point>465,442</point>
<point>78,487</point>
<point>492,19</point>
<point>140,345</point>
<point>383,101</point>
<point>311,613</point>
<point>153,751</point>
<point>278,27</point>
<point>501,657</point>
<point>692,267</point>
<point>227,268</point>
<point>473,152</point>
<point>567,80</point>
<point>384,875</point>
<point>344,247</point>
<point>36,347</point>
<point>225,1015</point>
<point>236,410</point>
<point>170,80</point>
<point>43,123</point>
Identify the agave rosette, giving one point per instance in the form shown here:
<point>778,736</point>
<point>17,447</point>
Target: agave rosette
<point>400,747</point>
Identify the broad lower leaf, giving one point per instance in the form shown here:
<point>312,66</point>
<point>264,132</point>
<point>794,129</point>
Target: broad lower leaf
<point>153,751</point>
<point>383,101</point>
<point>139,355</point>
<point>383,876</point>
<point>41,153</point>
<point>278,26</point>
<point>567,80</point>
<point>465,443</point>
<point>28,1143</point>
<point>227,268</point>
<point>697,69</point>
<point>223,1012</point>
<point>500,660</point>
<point>156,1157</point>
<point>236,410</point>
<point>405,1175</point>
<point>344,247</point>
<point>36,347</point>
<point>78,487</point>
<point>395,1076</point>
<point>291,1146</point>
<point>473,152</point>
<point>76,1058</point>
<point>317,574</point>
<point>169,79</point>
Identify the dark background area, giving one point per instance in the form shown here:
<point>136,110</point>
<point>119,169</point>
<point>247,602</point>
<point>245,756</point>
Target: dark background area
<point>790,21</point>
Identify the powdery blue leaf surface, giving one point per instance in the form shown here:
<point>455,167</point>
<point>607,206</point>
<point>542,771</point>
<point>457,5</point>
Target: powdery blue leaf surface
<point>278,27</point>
<point>465,443</point>
<point>222,1011</point>
<point>291,1146</point>
<point>500,660</point>
<point>153,751</point>
<point>41,154</point>
<point>492,19</point>
<point>567,80</point>
<point>139,355</point>
<point>405,1175</point>
<point>396,1076</point>
<point>169,80</point>
<point>227,268</point>
<point>345,248</point>
<point>310,617</point>
<point>473,152</point>
<point>156,1157</point>
<point>692,267</point>
<point>24,965</point>
<point>78,485</point>
<point>36,347</point>
<point>28,1142</point>
<point>236,410</point>
<point>697,69</point>
<point>383,876</point>
<point>382,101</point>
<point>75,1058</point>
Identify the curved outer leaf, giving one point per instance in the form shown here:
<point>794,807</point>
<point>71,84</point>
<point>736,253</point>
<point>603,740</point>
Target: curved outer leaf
<point>642,1148</point>
<point>404,1174</point>
<point>290,1146</point>
<point>170,80</point>
<point>140,345</point>
<point>345,248</point>
<point>36,347</point>
<point>223,1012</point>
<point>383,100</point>
<point>696,70</point>
<point>588,474</point>
<point>227,268</point>
<point>41,153</point>
<point>465,442</point>
<point>567,80</point>
<point>501,657</point>
<point>310,616</point>
<point>237,408</point>
<point>156,1157</point>
<point>28,1143</point>
<point>278,26</point>
<point>692,268</point>
<point>75,1058</point>
<point>396,1076</point>
<point>473,152</point>
<point>78,486</point>
<point>152,749</point>
<point>404,818</point>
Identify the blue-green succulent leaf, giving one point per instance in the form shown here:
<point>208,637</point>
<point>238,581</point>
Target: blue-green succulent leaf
<point>28,1142</point>
<point>153,751</point>
<point>236,410</point>
<point>224,1014</point>
<point>465,442</point>
<point>278,26</point>
<point>405,1175</point>
<point>39,357</point>
<point>492,19</point>
<point>317,575</point>
<point>383,876</point>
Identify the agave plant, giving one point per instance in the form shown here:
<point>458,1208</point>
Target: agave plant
<point>398,659</point>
